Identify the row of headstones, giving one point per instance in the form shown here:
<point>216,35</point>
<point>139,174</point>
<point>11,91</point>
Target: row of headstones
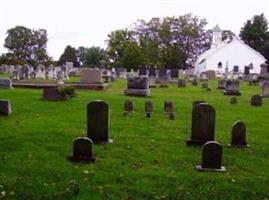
<point>202,133</point>
<point>168,108</point>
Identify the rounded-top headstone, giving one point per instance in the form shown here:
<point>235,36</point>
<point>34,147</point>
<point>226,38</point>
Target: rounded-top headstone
<point>239,134</point>
<point>211,157</point>
<point>98,121</point>
<point>256,100</point>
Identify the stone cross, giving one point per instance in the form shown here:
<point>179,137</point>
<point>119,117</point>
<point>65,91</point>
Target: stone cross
<point>211,157</point>
<point>82,150</point>
<point>239,135</point>
<point>98,121</point>
<point>203,124</point>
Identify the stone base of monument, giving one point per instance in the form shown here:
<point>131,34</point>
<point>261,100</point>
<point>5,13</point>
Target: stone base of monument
<point>232,93</point>
<point>137,92</point>
<point>81,159</point>
<point>201,169</point>
<point>192,142</point>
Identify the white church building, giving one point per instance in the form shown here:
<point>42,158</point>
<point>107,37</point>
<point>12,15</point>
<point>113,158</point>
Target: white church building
<point>228,57</point>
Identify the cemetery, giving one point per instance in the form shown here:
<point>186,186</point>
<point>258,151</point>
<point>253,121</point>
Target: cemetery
<point>166,108</point>
<point>109,145</point>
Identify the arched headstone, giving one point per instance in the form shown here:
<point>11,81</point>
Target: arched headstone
<point>239,135</point>
<point>211,157</point>
<point>98,121</point>
<point>128,107</point>
<point>148,108</point>
<point>82,150</point>
<point>203,124</point>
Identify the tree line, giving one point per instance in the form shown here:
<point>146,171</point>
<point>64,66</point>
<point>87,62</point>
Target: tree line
<point>169,42</point>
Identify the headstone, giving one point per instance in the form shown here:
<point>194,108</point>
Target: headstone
<point>203,124</point>
<point>221,84</point>
<point>82,150</point>
<point>152,72</point>
<point>256,100</point>
<point>235,69</point>
<point>194,82</point>
<point>5,83</point>
<point>98,121</point>
<point>152,82</point>
<point>163,78</point>
<point>211,157</point>
<point>91,76</point>
<point>52,94</point>
<point>143,71</point>
<point>203,76</point>
<point>247,71</point>
<point>239,135</point>
<point>174,73</point>
<point>181,83</point>
<point>265,89</point>
<point>148,108</point>
<point>233,100</point>
<point>169,109</point>
<point>137,86</point>
<point>128,107</point>
<point>232,88</point>
<point>5,107</point>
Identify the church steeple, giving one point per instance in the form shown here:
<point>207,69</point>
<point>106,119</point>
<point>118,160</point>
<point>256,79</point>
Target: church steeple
<point>216,38</point>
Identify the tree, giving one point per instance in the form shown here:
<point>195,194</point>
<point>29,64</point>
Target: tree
<point>69,55</point>
<point>26,45</point>
<point>117,41</point>
<point>81,55</point>
<point>96,57</point>
<point>255,34</point>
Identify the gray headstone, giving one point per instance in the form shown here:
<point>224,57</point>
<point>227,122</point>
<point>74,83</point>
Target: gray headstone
<point>5,83</point>
<point>239,134</point>
<point>232,88</point>
<point>211,157</point>
<point>128,107</point>
<point>181,83</point>
<point>222,84</point>
<point>169,109</point>
<point>52,94</point>
<point>265,89</point>
<point>82,150</point>
<point>98,121</point>
<point>203,124</point>
<point>5,107</point>
<point>256,100</point>
<point>137,86</point>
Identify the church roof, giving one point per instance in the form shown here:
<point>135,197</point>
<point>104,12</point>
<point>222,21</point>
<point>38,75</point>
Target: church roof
<point>216,29</point>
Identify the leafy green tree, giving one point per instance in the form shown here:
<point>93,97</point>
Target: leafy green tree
<point>96,57</point>
<point>255,34</point>
<point>117,41</point>
<point>81,54</point>
<point>69,55</point>
<point>26,45</point>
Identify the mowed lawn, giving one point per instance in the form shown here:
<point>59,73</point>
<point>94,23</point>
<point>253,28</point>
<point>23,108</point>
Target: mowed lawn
<point>149,158</point>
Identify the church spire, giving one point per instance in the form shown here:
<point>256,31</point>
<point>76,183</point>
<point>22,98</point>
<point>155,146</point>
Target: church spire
<point>216,38</point>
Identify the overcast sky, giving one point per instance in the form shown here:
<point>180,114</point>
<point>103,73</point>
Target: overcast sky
<point>88,22</point>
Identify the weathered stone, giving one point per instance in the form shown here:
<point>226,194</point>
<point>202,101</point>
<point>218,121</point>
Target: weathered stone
<point>211,157</point>
<point>91,76</point>
<point>5,83</point>
<point>233,100</point>
<point>137,86</point>
<point>82,150</point>
<point>204,76</point>
<point>181,83</point>
<point>5,107</point>
<point>143,71</point>
<point>52,94</point>
<point>239,135</point>
<point>232,88</point>
<point>256,100</point>
<point>148,108</point>
<point>265,89</point>
<point>194,82</point>
<point>98,121</point>
<point>222,84</point>
<point>203,124</point>
<point>174,73</point>
<point>169,107</point>
<point>128,107</point>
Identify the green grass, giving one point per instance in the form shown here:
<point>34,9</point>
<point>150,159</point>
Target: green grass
<point>149,158</point>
